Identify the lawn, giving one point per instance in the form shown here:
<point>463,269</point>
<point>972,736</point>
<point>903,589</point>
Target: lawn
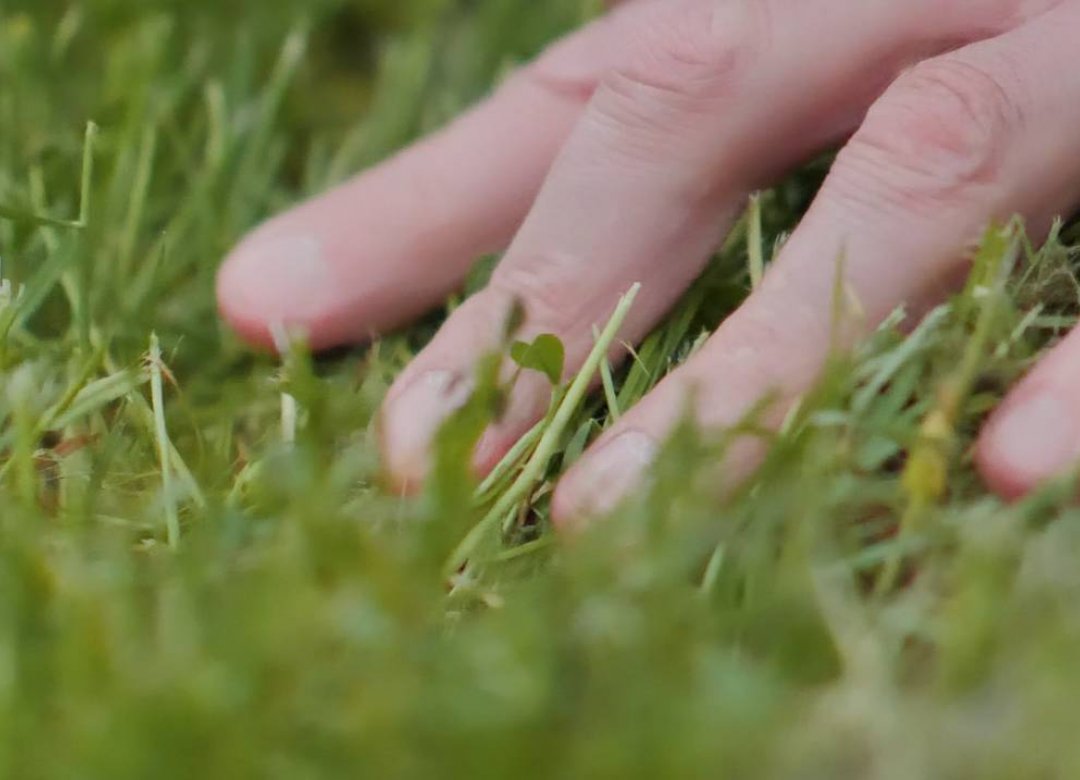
<point>201,577</point>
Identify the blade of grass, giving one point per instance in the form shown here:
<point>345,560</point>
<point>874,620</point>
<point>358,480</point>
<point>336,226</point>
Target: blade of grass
<point>23,216</point>
<point>172,521</point>
<point>755,243</point>
<point>611,398</point>
<point>534,468</point>
<point>926,473</point>
<point>514,458</point>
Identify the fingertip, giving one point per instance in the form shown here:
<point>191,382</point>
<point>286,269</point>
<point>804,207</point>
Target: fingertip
<point>275,278</point>
<point>414,410</point>
<point>998,474</point>
<point>1034,437</point>
<point>234,310</point>
<point>608,474</point>
<point>569,515</point>
<point>563,516</point>
<point>397,475</point>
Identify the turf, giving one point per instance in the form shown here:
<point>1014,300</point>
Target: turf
<point>199,575</point>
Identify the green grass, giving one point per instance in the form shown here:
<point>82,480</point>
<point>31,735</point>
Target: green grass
<point>200,577</point>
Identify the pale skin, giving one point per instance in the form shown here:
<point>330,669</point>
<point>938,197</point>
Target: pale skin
<point>625,153</point>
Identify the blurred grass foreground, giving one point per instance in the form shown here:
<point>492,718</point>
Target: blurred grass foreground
<point>187,590</point>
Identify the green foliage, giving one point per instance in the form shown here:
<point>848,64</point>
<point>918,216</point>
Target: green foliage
<point>862,609</point>
<point>545,354</point>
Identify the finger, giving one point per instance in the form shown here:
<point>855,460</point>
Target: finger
<point>1035,435</point>
<point>380,250</point>
<point>711,100</point>
<point>956,141</point>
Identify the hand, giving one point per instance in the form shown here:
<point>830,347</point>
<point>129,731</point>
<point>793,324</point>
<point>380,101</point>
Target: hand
<point>625,153</point>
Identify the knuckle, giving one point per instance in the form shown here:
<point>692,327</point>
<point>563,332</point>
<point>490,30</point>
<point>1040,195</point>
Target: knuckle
<point>1016,12</point>
<point>937,135</point>
<point>769,347</point>
<point>544,286</point>
<point>686,49</point>
<point>559,77</point>
<point>574,66</point>
<point>994,17</point>
<point>694,53</point>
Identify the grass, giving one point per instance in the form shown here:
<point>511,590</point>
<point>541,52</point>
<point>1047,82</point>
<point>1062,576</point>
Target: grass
<point>200,577</point>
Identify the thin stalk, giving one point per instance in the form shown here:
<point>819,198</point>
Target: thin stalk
<point>137,201</point>
<point>289,406</point>
<point>755,248</point>
<point>925,477</point>
<point>534,468</point>
<point>608,383</point>
<point>87,182</point>
<point>713,569</point>
<point>512,458</point>
<point>157,395</point>
<point>143,414</point>
<point>13,214</point>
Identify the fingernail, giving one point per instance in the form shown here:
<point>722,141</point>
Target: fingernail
<point>413,415</point>
<point>1036,437</point>
<point>278,279</point>
<point>604,478</point>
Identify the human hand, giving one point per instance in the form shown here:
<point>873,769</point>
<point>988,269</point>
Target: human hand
<point>626,152</point>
